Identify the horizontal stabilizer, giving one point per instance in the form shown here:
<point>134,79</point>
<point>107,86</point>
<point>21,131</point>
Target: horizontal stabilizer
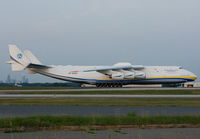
<point>37,66</point>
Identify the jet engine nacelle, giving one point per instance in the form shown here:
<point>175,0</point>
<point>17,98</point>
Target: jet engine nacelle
<point>129,75</point>
<point>117,76</point>
<point>140,75</point>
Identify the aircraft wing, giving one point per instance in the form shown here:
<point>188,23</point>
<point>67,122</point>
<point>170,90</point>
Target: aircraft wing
<point>116,68</point>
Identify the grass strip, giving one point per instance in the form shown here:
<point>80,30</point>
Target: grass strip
<point>126,92</point>
<point>113,92</point>
<point>130,119</point>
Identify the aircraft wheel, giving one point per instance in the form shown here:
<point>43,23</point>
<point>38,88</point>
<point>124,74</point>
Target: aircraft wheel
<point>119,85</point>
<point>97,85</point>
<point>100,85</point>
<point>106,85</point>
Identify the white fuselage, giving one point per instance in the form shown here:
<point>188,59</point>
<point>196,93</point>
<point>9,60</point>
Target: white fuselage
<point>153,75</point>
<point>110,76</point>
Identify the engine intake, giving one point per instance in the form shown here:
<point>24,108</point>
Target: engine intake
<point>129,75</point>
<point>140,75</point>
<point>118,76</point>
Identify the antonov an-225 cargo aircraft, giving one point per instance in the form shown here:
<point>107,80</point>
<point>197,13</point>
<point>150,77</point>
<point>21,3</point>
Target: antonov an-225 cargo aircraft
<point>102,76</point>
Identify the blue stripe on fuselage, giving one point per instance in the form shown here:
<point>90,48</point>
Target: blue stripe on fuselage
<point>113,81</point>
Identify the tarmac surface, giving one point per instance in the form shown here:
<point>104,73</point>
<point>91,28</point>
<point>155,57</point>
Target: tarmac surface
<point>164,133</point>
<point>96,96</point>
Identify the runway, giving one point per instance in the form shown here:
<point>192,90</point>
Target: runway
<point>91,89</point>
<point>97,96</point>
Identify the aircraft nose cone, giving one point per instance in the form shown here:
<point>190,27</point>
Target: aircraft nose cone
<point>194,76</point>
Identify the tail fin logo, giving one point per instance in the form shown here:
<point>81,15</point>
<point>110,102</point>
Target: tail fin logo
<point>19,56</point>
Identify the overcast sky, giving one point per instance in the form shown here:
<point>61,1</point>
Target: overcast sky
<point>101,32</point>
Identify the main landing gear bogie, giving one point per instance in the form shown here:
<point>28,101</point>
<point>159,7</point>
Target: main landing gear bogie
<point>109,85</point>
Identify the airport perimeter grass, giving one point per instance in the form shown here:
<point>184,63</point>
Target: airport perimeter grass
<point>63,90</point>
<point>36,122</point>
<point>116,92</point>
<point>173,102</point>
<point>127,92</point>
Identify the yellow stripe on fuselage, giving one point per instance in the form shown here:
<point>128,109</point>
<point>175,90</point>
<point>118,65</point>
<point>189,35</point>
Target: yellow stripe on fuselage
<point>165,77</point>
<point>183,77</point>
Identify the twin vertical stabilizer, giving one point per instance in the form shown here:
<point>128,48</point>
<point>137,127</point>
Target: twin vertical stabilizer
<point>20,60</point>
